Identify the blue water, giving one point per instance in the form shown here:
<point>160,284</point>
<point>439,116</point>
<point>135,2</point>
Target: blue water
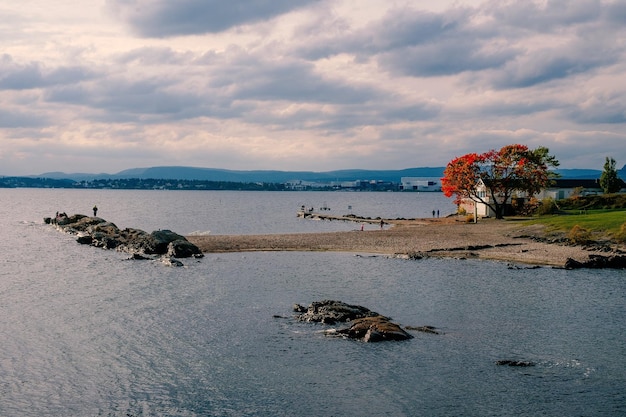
<point>85,332</point>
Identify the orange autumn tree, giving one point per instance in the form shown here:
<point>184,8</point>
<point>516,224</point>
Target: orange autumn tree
<point>514,168</point>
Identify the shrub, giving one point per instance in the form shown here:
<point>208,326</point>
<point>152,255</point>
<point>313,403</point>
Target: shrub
<point>546,206</point>
<point>621,235</point>
<point>579,235</point>
<point>462,211</point>
<point>469,218</point>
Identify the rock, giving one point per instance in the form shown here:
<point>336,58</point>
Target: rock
<point>139,257</point>
<point>573,264</point>
<point>169,261</point>
<point>183,249</point>
<point>331,312</point>
<point>374,329</point>
<point>508,362</point>
<point>101,233</point>
<point>162,238</point>
<point>598,262</point>
<point>85,240</point>
<point>365,325</point>
<point>424,329</point>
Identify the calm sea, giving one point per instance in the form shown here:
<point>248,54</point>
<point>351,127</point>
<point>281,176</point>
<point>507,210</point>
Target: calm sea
<point>85,332</point>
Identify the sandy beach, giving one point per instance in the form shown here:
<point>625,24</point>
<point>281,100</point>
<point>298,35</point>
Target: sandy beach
<point>503,240</point>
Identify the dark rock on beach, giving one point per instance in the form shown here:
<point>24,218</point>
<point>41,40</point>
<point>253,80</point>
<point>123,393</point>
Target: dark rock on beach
<point>597,262</point>
<point>98,232</point>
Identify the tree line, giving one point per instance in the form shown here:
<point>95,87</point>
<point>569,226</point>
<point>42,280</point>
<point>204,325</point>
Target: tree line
<point>137,184</point>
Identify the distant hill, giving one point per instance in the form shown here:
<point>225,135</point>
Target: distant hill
<point>215,174</point>
<point>271,176</point>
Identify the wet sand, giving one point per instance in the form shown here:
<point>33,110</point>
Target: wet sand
<point>503,240</point>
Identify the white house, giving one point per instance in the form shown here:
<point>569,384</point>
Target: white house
<point>560,189</point>
<point>564,188</point>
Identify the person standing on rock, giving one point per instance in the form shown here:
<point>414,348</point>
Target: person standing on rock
<point>95,211</point>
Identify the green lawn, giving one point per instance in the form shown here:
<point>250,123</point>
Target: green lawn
<point>604,222</point>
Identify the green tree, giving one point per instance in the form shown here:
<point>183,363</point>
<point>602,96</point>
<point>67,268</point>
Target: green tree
<point>609,181</point>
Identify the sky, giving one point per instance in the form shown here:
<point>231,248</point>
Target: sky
<point>307,85</point>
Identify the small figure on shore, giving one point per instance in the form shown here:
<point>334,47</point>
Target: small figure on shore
<point>95,211</point>
<point>437,213</point>
<point>362,226</point>
<point>433,213</point>
<point>382,223</point>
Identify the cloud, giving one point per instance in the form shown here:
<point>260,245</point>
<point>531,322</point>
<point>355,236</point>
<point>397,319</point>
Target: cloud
<point>550,64</point>
<point>12,119</point>
<point>163,18</point>
<point>16,76</point>
<point>312,84</point>
<point>604,108</point>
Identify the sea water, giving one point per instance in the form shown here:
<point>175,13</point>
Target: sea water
<point>85,332</point>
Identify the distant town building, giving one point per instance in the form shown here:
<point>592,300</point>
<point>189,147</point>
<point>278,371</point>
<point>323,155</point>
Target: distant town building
<point>420,184</point>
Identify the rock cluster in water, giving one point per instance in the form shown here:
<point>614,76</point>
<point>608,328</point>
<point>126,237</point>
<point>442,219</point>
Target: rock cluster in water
<point>98,232</point>
<point>365,324</point>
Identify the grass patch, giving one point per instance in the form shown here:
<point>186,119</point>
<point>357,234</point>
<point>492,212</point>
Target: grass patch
<point>608,224</point>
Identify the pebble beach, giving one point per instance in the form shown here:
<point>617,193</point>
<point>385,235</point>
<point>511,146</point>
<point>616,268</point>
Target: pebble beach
<point>502,240</point>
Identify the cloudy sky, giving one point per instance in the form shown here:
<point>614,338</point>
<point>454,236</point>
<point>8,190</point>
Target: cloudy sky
<point>102,86</point>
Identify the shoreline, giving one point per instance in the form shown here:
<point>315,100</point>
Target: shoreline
<point>489,239</point>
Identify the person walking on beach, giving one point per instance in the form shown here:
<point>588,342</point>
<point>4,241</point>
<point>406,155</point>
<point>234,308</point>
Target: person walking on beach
<point>433,213</point>
<point>382,223</point>
<point>95,211</point>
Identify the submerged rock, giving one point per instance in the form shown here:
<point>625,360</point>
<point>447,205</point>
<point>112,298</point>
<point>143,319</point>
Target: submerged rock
<point>424,329</point>
<point>508,362</point>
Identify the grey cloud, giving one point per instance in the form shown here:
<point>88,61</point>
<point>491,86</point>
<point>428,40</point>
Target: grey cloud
<point>404,28</point>
<point>551,64</point>
<point>444,58</point>
<point>397,30</point>
<point>616,13</point>
<point>490,37</point>
<point>547,17</point>
<point>163,18</point>
<point>606,109</point>
<point>155,56</point>
<point>14,76</point>
<point>127,97</point>
<point>16,119</point>
<point>249,77</point>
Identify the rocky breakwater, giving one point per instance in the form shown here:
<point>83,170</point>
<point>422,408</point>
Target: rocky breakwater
<point>100,233</point>
<point>365,324</point>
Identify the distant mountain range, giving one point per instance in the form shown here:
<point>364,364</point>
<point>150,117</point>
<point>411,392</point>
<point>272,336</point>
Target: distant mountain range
<point>214,174</point>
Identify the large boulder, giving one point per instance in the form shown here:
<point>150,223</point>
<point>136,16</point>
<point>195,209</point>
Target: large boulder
<point>182,248</point>
<point>331,312</point>
<point>162,239</point>
<point>365,325</point>
<point>374,329</point>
